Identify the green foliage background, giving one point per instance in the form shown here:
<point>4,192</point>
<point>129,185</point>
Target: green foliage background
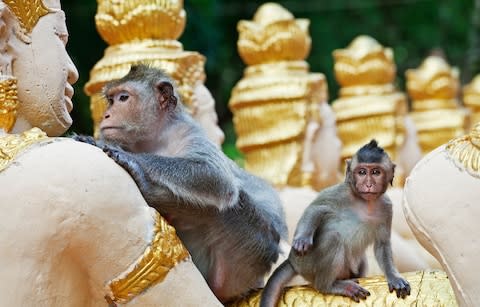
<point>412,28</point>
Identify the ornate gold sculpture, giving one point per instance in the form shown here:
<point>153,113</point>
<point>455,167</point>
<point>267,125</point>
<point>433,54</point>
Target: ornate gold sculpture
<point>163,254</point>
<point>28,12</point>
<point>471,98</point>
<point>277,96</point>
<point>433,89</point>
<point>8,103</point>
<point>429,288</point>
<point>465,151</point>
<point>368,105</point>
<point>143,31</point>
<point>12,144</point>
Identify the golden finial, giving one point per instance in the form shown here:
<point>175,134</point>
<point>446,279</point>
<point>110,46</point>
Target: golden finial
<point>433,88</point>
<point>143,31</point>
<point>277,96</point>
<point>471,98</point>
<point>28,12</point>
<point>273,35</point>
<point>368,105</point>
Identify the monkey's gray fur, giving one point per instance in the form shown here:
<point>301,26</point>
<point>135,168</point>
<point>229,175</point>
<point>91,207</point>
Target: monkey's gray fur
<point>333,233</point>
<point>229,220</point>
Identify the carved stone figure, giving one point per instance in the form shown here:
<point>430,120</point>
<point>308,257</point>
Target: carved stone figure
<point>76,231</point>
<point>441,206</point>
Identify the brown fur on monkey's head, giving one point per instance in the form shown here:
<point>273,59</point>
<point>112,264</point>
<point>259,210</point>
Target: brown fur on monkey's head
<point>372,153</point>
<point>150,77</point>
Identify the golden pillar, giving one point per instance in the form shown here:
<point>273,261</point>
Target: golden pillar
<point>368,106</point>
<point>471,99</point>
<point>433,89</point>
<point>277,95</point>
<point>143,31</point>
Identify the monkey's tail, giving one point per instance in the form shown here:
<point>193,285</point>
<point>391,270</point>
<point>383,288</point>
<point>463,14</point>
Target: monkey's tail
<point>274,287</point>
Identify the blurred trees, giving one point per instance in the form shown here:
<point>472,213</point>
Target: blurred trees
<point>412,28</point>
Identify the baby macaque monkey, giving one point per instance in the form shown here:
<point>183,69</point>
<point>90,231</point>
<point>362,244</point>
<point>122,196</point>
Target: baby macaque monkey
<point>333,233</point>
<point>230,221</point>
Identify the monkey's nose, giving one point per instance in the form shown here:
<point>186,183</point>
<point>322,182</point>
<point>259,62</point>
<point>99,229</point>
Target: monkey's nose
<point>107,116</point>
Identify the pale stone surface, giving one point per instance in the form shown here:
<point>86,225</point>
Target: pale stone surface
<point>73,219</point>
<point>441,206</point>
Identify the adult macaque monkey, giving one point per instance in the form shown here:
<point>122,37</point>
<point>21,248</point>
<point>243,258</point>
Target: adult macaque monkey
<point>230,221</point>
<point>334,231</point>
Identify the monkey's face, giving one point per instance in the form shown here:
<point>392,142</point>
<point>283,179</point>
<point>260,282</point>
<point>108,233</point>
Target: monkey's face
<point>370,180</point>
<point>125,120</point>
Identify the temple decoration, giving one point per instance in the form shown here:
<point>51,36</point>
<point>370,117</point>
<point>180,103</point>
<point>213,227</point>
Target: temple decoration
<point>429,288</point>
<point>28,12</point>
<point>433,89</point>
<point>8,103</point>
<point>368,106</point>
<point>164,252</point>
<point>12,144</point>
<point>471,99</point>
<point>277,95</point>
<point>465,151</point>
<point>143,31</point>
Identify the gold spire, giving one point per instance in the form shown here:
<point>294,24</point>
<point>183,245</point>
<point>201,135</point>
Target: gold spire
<point>433,88</point>
<point>277,96</point>
<point>8,103</point>
<point>471,98</point>
<point>368,105</point>
<point>28,12</point>
<point>143,31</point>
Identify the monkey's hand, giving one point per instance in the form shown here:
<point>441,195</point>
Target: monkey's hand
<point>302,245</point>
<point>400,285</point>
<point>85,139</point>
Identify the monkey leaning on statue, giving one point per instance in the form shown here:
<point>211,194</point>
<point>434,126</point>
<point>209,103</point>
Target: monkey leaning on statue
<point>230,221</point>
<point>333,233</point>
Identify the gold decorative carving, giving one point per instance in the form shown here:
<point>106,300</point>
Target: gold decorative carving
<point>163,253</point>
<point>433,88</point>
<point>143,31</point>
<point>12,144</point>
<point>277,96</point>
<point>368,105</point>
<point>429,288</point>
<point>28,12</point>
<point>465,151</point>
<point>8,103</point>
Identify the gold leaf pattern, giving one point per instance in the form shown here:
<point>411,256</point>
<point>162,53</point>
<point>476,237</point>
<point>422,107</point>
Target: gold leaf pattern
<point>28,12</point>
<point>12,144</point>
<point>8,103</point>
<point>429,288</point>
<point>465,151</point>
<point>164,252</point>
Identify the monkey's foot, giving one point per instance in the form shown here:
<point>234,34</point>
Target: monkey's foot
<point>400,285</point>
<point>351,289</point>
<point>428,288</point>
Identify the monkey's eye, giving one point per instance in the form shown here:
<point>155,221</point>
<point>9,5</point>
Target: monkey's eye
<point>362,172</point>
<point>376,172</point>
<point>123,97</point>
<point>110,101</point>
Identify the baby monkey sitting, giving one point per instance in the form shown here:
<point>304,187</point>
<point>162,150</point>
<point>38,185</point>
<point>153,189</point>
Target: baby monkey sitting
<point>333,233</point>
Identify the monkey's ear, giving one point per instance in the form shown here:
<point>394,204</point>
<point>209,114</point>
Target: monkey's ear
<point>393,173</point>
<point>166,96</point>
<point>349,164</point>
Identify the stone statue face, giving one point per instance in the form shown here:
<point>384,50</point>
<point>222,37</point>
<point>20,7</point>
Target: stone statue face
<point>206,114</point>
<point>45,75</point>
